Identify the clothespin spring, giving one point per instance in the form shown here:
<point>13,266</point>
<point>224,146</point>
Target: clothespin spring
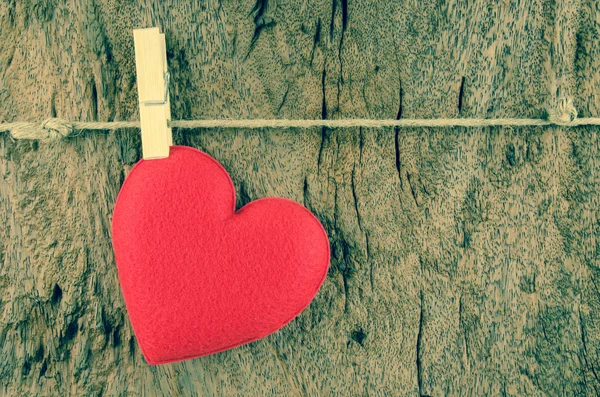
<point>161,102</point>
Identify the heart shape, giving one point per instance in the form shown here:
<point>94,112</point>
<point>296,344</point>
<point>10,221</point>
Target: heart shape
<point>198,277</point>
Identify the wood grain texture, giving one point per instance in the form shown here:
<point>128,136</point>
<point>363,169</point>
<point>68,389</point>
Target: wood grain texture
<point>464,261</point>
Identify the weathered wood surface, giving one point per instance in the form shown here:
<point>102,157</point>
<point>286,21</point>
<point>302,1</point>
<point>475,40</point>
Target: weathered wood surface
<point>464,261</point>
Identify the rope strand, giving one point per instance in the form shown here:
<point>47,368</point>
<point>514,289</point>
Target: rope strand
<point>564,114</point>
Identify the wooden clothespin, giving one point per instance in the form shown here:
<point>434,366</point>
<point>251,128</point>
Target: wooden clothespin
<point>153,92</point>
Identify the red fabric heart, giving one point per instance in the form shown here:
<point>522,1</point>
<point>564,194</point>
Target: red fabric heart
<point>196,276</point>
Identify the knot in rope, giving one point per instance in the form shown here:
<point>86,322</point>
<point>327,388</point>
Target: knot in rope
<point>48,130</point>
<point>564,113</point>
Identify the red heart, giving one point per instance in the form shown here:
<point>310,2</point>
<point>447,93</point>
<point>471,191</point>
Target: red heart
<point>199,278</point>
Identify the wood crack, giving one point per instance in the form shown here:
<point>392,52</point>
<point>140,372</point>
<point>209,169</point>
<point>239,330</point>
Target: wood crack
<point>316,40</point>
<point>323,117</point>
<point>396,137</point>
<point>461,93</point>
<point>353,188</point>
<point>419,341</point>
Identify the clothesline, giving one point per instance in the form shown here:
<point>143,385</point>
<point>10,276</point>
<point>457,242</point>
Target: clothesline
<point>564,114</point>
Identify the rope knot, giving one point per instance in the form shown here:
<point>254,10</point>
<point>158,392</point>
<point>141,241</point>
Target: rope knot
<point>49,130</point>
<point>56,129</point>
<point>564,113</point>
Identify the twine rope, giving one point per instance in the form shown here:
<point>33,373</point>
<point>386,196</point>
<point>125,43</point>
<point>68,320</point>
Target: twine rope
<point>563,114</point>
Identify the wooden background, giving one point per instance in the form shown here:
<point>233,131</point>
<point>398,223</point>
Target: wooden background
<point>464,261</point>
